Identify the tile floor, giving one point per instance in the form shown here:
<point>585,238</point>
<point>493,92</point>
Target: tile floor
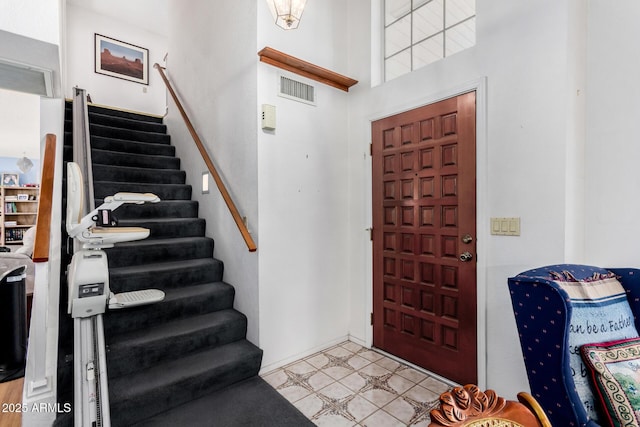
<point>350,385</point>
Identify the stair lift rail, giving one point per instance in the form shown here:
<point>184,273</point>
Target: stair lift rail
<point>82,145</point>
<point>90,295</point>
<point>86,394</point>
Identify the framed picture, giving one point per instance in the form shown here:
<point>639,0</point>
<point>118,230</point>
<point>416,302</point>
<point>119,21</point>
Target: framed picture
<point>116,58</point>
<point>10,180</point>
<point>22,197</point>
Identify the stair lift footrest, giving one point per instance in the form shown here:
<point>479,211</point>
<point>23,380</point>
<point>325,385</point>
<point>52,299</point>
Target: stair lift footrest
<point>135,298</point>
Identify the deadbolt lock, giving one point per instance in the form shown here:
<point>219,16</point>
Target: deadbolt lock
<point>467,239</point>
<point>466,256</point>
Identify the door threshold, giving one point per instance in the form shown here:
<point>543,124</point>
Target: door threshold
<point>416,367</point>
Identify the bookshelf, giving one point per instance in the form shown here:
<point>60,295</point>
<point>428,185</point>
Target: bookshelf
<point>18,212</point>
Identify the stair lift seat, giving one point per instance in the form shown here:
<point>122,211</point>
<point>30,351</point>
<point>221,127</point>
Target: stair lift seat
<point>85,229</point>
<point>88,270</point>
<point>558,309</point>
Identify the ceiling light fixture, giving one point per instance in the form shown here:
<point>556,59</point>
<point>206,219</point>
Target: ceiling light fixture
<point>24,164</point>
<point>287,13</point>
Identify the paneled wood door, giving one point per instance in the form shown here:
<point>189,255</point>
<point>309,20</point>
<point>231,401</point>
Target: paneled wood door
<point>424,229</point>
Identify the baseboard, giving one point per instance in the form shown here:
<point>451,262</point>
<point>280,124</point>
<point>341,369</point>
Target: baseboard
<point>358,341</point>
<point>265,369</point>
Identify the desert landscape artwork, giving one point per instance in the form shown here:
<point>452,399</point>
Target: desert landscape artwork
<point>122,60</point>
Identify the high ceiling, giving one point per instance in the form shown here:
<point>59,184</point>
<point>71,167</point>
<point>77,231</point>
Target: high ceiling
<point>152,15</point>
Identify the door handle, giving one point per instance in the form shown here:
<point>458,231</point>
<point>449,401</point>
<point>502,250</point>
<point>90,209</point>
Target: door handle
<point>466,256</point>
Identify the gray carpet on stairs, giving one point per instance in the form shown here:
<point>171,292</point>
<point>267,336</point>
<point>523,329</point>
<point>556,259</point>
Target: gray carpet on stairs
<point>185,361</point>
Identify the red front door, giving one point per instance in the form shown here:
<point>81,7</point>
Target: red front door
<point>424,229</point>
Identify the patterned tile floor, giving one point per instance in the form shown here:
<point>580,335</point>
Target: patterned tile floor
<point>350,385</point>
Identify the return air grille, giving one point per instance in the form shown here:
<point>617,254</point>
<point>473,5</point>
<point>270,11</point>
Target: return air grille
<point>297,91</point>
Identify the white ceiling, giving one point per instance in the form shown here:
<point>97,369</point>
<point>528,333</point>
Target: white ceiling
<point>152,15</point>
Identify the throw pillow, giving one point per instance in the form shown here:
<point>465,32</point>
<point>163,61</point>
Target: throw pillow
<point>600,312</point>
<point>615,371</point>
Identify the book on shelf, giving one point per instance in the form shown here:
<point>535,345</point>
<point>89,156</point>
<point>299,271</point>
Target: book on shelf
<point>14,234</point>
<point>10,207</point>
<point>10,223</point>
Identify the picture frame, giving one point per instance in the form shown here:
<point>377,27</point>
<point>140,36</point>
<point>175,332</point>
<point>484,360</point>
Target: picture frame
<point>23,197</point>
<point>10,179</point>
<point>122,60</point>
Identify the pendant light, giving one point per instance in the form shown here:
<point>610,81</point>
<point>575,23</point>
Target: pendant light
<point>287,13</point>
<point>24,164</point>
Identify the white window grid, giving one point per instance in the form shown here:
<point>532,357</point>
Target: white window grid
<point>419,32</point>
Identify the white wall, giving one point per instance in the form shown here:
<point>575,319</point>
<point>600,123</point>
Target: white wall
<point>291,183</point>
<point>36,19</point>
<point>19,124</point>
<point>212,63</point>
<point>303,192</point>
<point>81,25</point>
<point>612,178</point>
<point>522,50</point>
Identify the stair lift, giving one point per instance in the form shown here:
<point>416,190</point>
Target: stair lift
<point>89,293</point>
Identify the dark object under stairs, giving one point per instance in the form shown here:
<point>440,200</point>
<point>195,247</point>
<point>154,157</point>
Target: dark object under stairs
<point>184,361</point>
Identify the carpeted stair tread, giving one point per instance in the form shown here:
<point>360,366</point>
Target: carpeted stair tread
<point>178,302</point>
<point>173,328</point>
<point>115,122</point>
<point>165,275</point>
<point>151,250</point>
<point>107,157</point>
<point>131,174</point>
<point>167,385</point>
<point>168,227</point>
<point>165,266</point>
<point>249,403</point>
<point>218,290</point>
<point>67,151</point>
<point>129,134</point>
<point>166,341</point>
<point>164,191</point>
<point>141,115</point>
<point>168,373</point>
<point>174,209</point>
<point>126,123</point>
<point>114,111</point>
<point>132,147</point>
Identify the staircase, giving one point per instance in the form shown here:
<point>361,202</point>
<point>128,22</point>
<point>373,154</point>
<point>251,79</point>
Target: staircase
<point>179,351</point>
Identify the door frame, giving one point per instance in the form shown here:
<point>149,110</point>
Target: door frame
<point>482,212</point>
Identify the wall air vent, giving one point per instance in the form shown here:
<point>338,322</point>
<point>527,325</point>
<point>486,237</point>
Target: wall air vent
<point>297,91</point>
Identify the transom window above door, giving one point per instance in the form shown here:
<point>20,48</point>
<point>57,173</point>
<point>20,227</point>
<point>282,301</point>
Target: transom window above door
<point>419,32</point>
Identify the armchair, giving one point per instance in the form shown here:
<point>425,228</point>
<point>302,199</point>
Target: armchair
<point>555,317</point>
<point>469,407</point>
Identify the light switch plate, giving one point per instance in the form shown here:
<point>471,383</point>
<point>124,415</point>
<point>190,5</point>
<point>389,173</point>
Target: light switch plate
<point>505,226</point>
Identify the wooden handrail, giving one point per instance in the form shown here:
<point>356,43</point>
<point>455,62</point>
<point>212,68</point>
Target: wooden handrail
<point>43,222</point>
<point>212,169</point>
<point>287,62</point>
